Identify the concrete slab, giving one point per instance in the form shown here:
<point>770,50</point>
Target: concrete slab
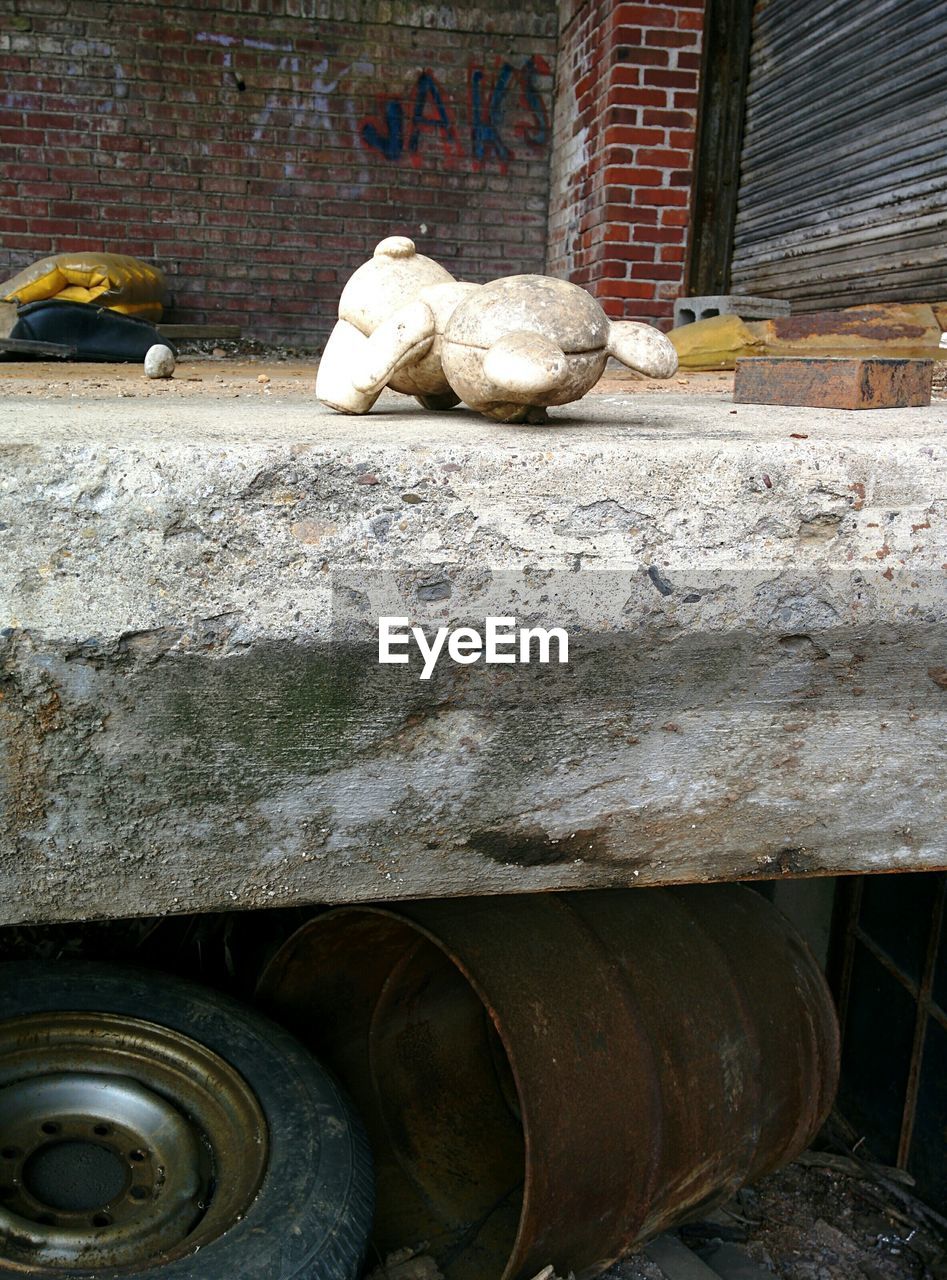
<point>194,717</point>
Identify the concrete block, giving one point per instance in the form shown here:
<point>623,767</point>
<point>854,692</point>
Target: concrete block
<point>687,310</point>
<point>834,382</point>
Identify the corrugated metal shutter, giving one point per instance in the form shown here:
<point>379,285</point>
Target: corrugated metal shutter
<point>843,187</point>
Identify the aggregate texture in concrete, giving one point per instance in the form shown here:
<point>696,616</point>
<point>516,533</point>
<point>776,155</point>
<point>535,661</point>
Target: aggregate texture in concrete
<point>193,716</point>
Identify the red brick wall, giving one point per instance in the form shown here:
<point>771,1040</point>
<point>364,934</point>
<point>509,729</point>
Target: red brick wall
<point>258,149</point>
<point>623,150</point>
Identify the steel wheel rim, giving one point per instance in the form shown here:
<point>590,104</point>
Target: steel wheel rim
<point>123,1144</point>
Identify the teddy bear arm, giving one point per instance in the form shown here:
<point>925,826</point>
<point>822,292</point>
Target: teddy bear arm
<point>642,347</point>
<point>344,352</point>
<point>403,338</point>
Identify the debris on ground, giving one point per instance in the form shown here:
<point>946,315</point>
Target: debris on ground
<point>245,349</point>
<point>746,305</point>
<point>78,332</point>
<point>822,1218</point>
<point>637,1266</point>
<point>821,382</point>
<point>407,1264</point>
<point>287,376</point>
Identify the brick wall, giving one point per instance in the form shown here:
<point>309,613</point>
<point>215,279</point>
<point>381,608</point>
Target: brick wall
<point>623,150</point>
<point>258,149</point>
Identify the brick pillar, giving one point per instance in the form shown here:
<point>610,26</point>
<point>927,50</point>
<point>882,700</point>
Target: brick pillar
<point>623,151</point>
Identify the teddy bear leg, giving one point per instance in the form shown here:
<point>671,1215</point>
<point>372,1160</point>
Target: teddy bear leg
<point>343,358</point>
<point>434,402</point>
<point>533,415</point>
<point>526,364</point>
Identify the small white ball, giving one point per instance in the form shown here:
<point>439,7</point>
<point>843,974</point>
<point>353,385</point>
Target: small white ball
<point>159,362</point>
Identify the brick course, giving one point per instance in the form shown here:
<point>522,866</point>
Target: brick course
<point>258,149</point>
<point>623,151</point>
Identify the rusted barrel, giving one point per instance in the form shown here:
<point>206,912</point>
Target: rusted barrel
<point>551,1078</point>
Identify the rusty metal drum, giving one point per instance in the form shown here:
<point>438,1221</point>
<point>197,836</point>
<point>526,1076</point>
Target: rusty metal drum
<point>552,1078</point>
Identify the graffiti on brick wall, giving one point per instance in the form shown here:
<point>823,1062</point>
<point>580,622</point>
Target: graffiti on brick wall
<point>313,100</point>
<point>503,113</point>
<point>431,117</point>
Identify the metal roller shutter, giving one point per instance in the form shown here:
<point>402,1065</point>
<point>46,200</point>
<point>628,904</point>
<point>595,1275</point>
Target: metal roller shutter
<point>843,181</point>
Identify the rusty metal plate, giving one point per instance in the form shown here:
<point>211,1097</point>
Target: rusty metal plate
<point>834,382</point>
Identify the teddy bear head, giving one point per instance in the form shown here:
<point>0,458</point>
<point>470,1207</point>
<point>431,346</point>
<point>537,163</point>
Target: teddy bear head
<point>395,274</point>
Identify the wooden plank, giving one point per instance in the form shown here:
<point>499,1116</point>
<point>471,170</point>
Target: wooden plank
<point>834,382</point>
<point>209,331</point>
<point>27,347</point>
<point>723,81</point>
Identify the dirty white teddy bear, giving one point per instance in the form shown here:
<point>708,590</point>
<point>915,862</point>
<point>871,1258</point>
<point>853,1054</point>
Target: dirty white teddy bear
<point>509,348</point>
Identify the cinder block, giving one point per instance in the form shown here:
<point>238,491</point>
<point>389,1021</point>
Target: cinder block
<point>687,310</point>
<point>834,382</point>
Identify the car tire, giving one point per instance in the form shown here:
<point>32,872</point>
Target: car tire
<point>151,1127</point>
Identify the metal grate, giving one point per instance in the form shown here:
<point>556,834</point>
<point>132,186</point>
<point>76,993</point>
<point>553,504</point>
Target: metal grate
<point>891,980</point>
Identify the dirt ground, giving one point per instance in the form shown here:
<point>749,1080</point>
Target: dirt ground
<point>268,377</point>
<point>235,370</point>
<point>805,1223</point>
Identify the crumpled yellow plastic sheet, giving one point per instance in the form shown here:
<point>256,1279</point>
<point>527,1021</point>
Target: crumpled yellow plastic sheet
<point>112,280</point>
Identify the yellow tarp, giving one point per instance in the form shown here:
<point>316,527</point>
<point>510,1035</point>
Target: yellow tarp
<point>881,329</point>
<point>715,343</point>
<point>113,280</point>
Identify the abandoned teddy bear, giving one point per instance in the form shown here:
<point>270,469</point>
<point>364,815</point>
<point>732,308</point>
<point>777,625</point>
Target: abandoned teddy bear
<point>509,348</point>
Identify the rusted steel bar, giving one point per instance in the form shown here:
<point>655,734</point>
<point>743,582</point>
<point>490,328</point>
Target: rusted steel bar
<point>551,1078</point>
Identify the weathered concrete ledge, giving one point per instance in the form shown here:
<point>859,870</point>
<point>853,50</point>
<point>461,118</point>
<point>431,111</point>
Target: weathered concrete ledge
<point>193,716</point>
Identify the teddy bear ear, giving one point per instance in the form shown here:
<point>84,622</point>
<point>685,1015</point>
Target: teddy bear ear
<point>395,247</point>
<point>642,347</point>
